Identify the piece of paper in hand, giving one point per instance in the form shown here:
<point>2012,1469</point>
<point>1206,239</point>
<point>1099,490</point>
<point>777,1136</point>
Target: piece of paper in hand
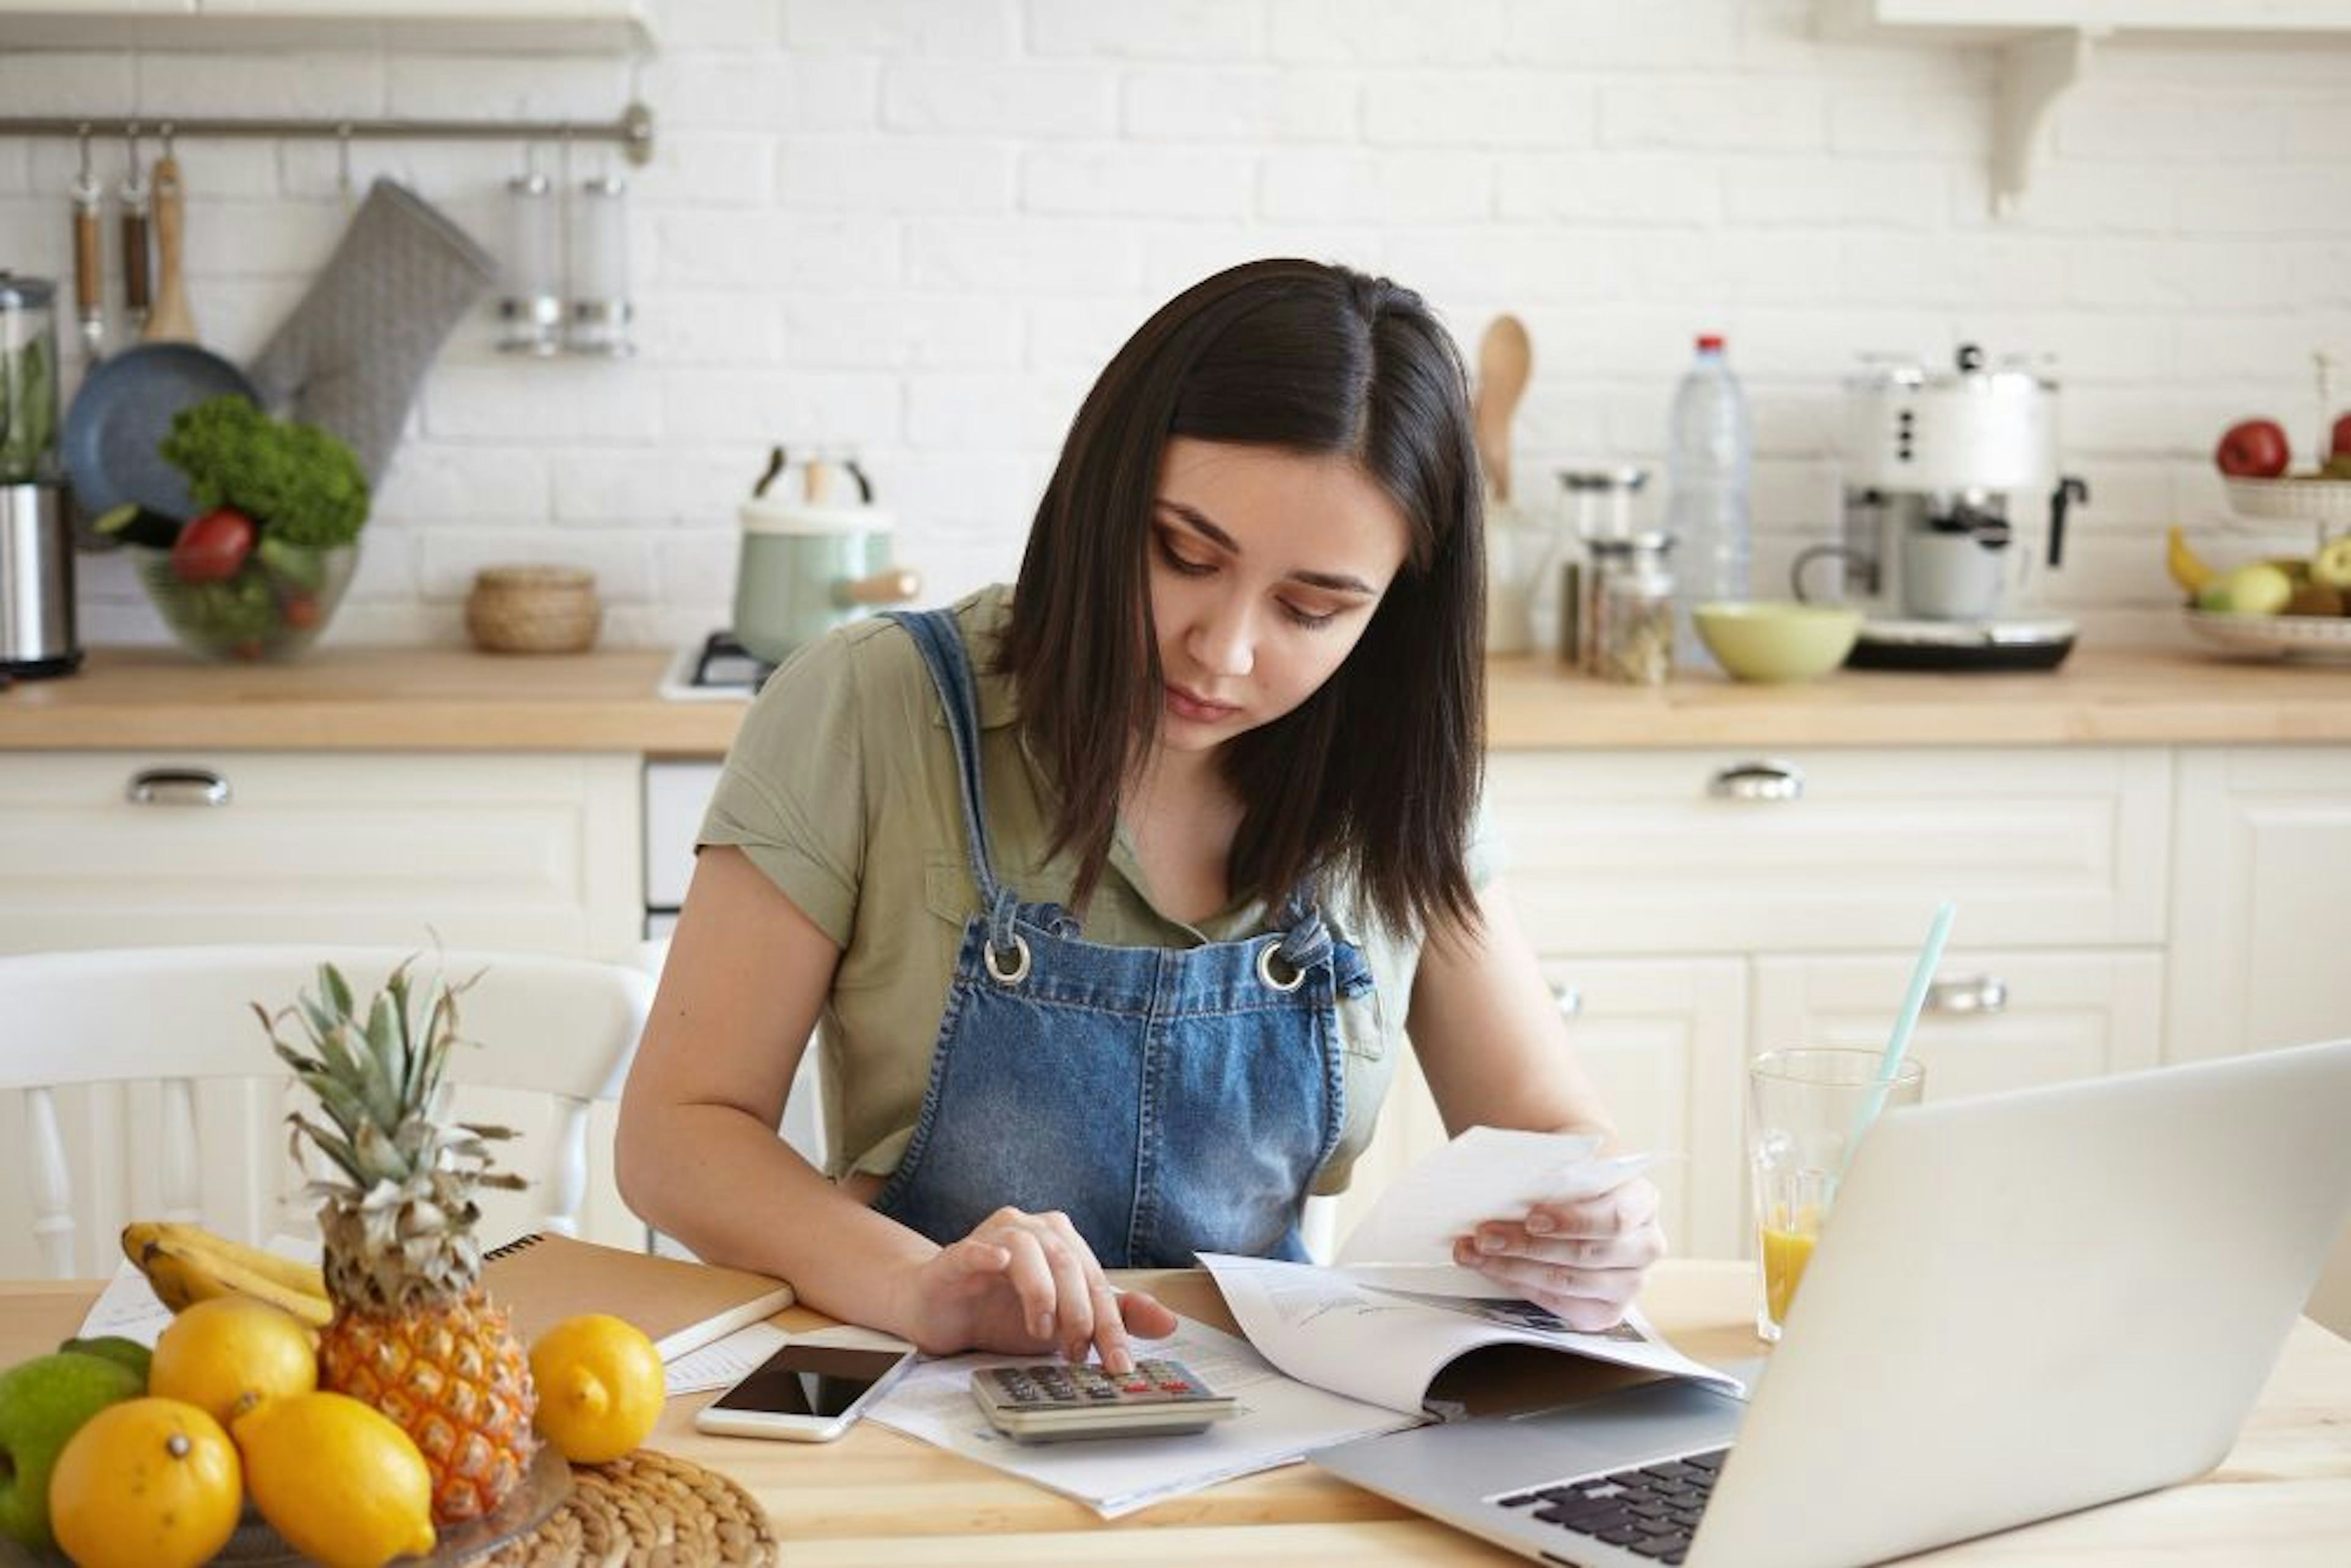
<point>1405,1242</point>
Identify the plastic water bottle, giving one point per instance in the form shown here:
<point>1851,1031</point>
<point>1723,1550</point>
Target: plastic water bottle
<point>1707,453</point>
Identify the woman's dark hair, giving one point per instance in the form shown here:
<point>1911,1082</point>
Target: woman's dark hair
<point>1373,778</point>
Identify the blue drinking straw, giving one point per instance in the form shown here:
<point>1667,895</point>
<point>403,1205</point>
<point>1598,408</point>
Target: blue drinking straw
<point>1889,1066</point>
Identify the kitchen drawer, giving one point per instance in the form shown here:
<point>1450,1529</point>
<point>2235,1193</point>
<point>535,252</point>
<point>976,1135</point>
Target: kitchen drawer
<point>1662,1040</point>
<point>1995,1018</point>
<point>535,852</point>
<point>1718,851</point>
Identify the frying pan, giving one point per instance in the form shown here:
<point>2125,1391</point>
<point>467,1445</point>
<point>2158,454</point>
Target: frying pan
<point>121,414</point>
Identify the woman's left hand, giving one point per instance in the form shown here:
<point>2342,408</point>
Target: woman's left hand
<point>1583,1261</point>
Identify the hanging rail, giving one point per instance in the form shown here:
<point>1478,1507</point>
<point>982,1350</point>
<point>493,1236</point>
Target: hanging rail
<point>634,130</point>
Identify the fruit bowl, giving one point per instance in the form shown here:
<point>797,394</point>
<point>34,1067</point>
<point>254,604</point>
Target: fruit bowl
<point>272,607</point>
<point>2313,637</point>
<point>2293,499</point>
<point>544,1487</point>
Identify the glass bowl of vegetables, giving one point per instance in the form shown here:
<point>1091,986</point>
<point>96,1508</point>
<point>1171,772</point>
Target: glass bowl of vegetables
<point>268,599</point>
<point>258,571</point>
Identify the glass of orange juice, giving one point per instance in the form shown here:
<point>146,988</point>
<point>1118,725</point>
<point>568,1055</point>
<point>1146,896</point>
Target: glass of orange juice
<point>1801,1107</point>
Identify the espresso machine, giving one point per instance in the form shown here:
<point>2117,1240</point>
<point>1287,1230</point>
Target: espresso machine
<point>1953,509</point>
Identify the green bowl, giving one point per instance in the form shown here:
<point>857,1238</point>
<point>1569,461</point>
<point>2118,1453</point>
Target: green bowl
<point>272,609</point>
<point>1775,640</point>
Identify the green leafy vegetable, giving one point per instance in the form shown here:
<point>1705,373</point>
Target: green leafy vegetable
<point>296,482</point>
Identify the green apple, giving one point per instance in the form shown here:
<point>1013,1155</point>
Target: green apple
<point>114,1347</point>
<point>2331,566</point>
<point>43,1401</point>
<point>2257,588</point>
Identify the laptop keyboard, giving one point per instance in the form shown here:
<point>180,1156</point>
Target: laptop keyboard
<point>1651,1511</point>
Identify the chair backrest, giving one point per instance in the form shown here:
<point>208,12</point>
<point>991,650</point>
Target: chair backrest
<point>181,1017</point>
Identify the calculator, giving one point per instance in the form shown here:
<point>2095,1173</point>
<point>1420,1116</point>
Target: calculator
<point>1054,1402</point>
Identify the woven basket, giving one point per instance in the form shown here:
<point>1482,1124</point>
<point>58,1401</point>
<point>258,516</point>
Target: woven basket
<point>647,1508</point>
<point>533,609</point>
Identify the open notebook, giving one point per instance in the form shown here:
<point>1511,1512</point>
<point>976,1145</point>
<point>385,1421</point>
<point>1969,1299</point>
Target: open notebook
<point>543,1277</point>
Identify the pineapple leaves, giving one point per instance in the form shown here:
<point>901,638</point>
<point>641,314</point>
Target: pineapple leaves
<point>382,1120</point>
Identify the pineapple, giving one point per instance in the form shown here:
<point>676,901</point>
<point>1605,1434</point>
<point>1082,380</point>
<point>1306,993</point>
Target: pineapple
<point>413,1333</point>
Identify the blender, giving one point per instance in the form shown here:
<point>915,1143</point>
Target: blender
<point>36,580</point>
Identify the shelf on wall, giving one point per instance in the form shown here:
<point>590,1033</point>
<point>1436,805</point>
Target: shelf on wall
<point>2047,46</point>
<point>462,26</point>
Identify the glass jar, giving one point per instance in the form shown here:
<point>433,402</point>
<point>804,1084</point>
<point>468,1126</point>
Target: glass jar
<point>1599,502</point>
<point>1633,610</point>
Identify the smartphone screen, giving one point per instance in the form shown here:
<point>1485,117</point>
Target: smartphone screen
<point>809,1380</point>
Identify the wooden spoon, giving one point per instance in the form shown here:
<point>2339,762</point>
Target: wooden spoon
<point>170,319</point>
<point>1505,359</point>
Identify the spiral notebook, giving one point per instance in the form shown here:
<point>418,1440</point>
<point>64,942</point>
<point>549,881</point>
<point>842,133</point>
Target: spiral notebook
<point>543,1277</point>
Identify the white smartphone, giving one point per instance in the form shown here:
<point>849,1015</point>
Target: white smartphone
<point>807,1392</point>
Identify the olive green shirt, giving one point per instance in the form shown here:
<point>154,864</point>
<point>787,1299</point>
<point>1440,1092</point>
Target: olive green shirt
<point>841,787</point>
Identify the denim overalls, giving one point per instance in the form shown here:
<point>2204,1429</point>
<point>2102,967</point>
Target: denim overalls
<point>1170,1101</point>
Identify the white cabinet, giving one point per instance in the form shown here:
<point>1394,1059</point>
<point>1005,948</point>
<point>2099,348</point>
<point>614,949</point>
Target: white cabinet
<point>523,851</point>
<point>2259,940</point>
<point>537,851</point>
<point>502,26</point>
<point>1707,906</point>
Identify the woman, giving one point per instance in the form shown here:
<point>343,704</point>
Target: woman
<point>1114,897</point>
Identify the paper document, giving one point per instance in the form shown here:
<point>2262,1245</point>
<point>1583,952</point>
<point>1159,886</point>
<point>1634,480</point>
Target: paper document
<point>1280,1420</point>
<point>1387,1346</point>
<point>723,1363</point>
<point>1405,1242</point>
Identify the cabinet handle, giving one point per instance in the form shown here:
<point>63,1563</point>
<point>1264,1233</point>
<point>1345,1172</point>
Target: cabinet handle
<point>1569,999</point>
<point>1984,994</point>
<point>1758,781</point>
<point>177,787</point>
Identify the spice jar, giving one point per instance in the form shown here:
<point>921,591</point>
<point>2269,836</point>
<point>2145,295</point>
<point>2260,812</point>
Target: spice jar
<point>1633,610</point>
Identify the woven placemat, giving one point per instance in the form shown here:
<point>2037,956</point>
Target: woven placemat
<point>647,1509</point>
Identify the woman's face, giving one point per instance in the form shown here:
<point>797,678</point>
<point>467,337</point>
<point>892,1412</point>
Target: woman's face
<point>1266,566</point>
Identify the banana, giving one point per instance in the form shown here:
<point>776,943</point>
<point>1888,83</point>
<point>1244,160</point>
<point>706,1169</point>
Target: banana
<point>208,1276</point>
<point>2188,569</point>
<point>290,1272</point>
<point>185,1264</point>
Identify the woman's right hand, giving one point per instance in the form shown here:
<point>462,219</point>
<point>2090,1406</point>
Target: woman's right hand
<point>1025,1284</point>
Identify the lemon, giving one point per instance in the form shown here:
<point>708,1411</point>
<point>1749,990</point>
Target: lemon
<point>338,1479</point>
<point>148,1483</point>
<point>228,1352</point>
<point>600,1387</point>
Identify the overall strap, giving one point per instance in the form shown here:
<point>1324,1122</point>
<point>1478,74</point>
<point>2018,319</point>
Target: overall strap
<point>941,642</point>
<point>1306,936</point>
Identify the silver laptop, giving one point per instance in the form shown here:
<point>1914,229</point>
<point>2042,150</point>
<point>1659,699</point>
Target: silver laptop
<point>2024,1303</point>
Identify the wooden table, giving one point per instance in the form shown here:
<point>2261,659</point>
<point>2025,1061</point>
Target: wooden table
<point>877,1499</point>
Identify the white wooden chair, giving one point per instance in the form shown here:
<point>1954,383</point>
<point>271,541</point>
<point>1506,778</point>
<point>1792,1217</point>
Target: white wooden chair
<point>180,1019</point>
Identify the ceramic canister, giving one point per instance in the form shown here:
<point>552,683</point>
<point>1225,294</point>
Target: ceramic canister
<point>807,568</point>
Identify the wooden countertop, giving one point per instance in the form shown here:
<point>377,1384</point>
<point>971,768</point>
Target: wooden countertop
<point>880,1500</point>
<point>428,699</point>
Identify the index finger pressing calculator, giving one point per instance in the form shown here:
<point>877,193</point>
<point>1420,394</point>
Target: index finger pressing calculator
<point>1053,1401</point>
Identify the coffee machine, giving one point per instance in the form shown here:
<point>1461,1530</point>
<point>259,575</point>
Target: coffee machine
<point>36,580</point>
<point>1953,509</point>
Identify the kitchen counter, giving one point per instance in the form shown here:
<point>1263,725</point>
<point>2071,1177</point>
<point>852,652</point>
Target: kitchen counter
<point>452,699</point>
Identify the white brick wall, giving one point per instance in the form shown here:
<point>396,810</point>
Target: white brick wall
<point>919,226</point>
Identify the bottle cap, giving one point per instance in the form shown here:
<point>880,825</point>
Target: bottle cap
<point>1710,343</point>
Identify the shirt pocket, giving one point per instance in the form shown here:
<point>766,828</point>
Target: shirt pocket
<point>948,892</point>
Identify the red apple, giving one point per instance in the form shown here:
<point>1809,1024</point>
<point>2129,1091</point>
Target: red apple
<point>212,547</point>
<point>2339,444</point>
<point>2253,449</point>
